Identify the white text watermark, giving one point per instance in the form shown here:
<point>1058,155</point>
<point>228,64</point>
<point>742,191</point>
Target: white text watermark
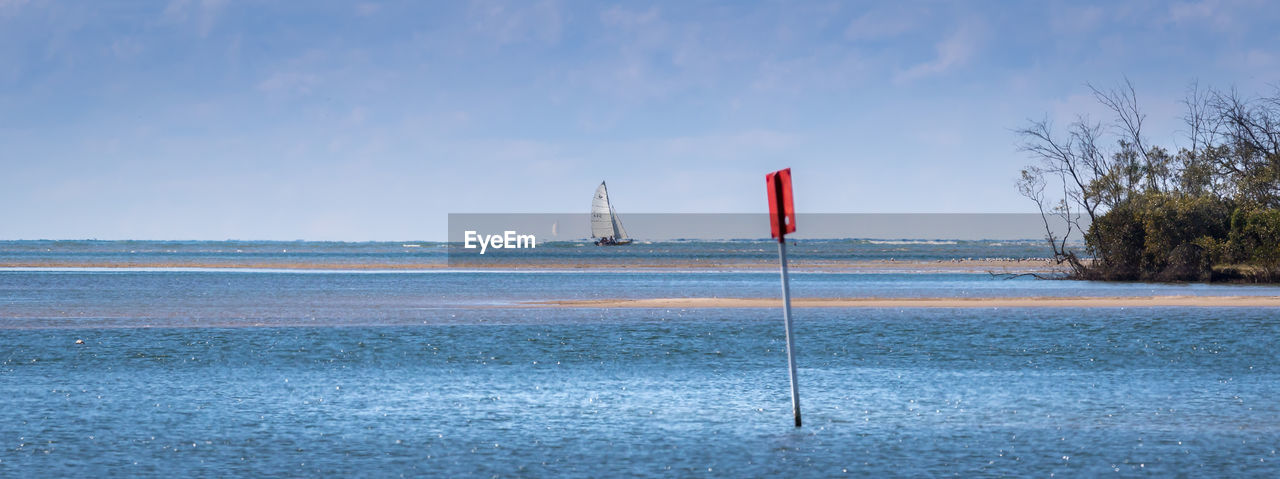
<point>508,239</point>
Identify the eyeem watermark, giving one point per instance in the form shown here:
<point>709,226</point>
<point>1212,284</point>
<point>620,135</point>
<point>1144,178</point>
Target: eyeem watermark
<point>508,239</point>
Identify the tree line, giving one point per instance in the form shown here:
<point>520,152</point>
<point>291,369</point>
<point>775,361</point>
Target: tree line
<point>1205,211</point>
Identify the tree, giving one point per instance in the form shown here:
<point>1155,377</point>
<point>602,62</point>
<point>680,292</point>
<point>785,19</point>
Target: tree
<point>1076,165</point>
<point>1146,213</point>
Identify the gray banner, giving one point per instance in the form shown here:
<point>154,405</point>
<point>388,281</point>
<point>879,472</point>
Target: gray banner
<point>745,226</point>
<point>559,239</point>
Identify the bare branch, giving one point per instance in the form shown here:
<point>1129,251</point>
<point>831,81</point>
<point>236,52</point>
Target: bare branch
<point>1123,101</point>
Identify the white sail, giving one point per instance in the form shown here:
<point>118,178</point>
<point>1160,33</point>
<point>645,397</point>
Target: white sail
<point>604,220</point>
<point>601,214</point>
<point>619,232</point>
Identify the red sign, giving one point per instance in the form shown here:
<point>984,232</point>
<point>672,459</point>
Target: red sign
<point>782,213</point>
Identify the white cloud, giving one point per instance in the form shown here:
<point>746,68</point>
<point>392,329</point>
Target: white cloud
<point>9,8</point>
<point>954,51</point>
<point>826,70</point>
<point>290,82</point>
<point>366,9</point>
<point>126,48</point>
<point>516,22</point>
<point>726,146</point>
<point>617,16</point>
<point>1072,20</point>
<point>203,13</point>
<point>1218,14</point>
<point>1187,11</point>
<point>654,58</point>
<point>1257,58</point>
<point>176,11</point>
<point>878,25</point>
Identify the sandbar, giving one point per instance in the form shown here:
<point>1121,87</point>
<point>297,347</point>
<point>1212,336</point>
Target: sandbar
<point>1018,302</point>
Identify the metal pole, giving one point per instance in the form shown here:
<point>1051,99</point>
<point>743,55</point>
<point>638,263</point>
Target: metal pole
<point>786,316</point>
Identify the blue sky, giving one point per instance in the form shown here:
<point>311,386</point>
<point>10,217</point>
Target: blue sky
<point>371,121</point>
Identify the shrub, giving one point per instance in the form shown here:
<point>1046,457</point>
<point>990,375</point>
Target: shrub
<point>1159,237</point>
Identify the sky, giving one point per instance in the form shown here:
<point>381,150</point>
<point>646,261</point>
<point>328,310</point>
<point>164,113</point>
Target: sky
<point>355,121</point>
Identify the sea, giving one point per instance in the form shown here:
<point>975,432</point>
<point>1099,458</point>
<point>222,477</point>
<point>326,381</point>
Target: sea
<point>251,358</point>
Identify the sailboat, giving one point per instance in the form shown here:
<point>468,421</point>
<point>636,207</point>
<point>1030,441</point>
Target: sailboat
<point>605,225</point>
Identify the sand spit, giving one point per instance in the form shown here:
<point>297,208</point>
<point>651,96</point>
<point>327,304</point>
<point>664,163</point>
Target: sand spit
<point>1025,302</point>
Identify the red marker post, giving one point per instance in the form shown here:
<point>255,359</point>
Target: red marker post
<point>782,218</point>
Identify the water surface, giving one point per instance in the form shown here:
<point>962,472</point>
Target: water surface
<point>225,372</point>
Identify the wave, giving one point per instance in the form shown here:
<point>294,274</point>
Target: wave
<point>901,242</point>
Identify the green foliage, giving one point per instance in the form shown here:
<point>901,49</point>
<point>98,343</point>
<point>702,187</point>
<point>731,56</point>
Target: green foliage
<point>1160,237</point>
<point>1255,237</point>
<point>1209,211</point>
<point>1116,240</point>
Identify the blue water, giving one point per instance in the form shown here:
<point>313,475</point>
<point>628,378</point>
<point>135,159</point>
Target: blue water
<point>447,374</point>
<point>218,253</point>
<point>411,253</point>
